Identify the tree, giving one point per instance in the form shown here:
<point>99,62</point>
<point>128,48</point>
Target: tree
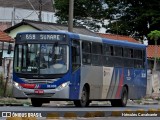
<point>86,12</point>
<point>154,35</point>
<point>136,18</point>
<point>127,17</point>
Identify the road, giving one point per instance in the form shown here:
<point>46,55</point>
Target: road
<point>81,112</point>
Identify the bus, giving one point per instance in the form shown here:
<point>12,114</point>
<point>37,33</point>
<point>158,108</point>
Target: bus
<point>64,66</point>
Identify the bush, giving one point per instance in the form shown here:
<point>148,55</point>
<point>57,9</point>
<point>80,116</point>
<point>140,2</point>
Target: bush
<point>2,87</point>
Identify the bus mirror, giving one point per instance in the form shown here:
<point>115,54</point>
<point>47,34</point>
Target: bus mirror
<point>9,49</point>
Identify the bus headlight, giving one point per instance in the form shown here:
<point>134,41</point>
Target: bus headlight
<point>62,86</point>
<point>17,85</point>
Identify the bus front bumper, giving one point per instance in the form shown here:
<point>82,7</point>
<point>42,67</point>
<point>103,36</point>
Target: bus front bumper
<point>23,93</point>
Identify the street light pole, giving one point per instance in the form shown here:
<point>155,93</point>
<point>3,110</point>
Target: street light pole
<point>70,20</point>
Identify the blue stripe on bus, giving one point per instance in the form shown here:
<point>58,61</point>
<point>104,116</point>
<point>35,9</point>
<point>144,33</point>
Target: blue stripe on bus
<point>17,79</point>
<point>116,84</point>
<point>75,86</point>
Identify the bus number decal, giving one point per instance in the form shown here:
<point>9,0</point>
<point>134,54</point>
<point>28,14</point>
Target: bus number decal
<point>51,86</point>
<point>30,36</point>
<point>128,75</point>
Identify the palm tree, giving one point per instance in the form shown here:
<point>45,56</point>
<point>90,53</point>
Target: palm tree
<point>154,35</point>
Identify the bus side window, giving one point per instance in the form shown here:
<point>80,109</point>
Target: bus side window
<point>111,50</point>
<point>96,54</point>
<point>131,53</point>
<point>86,53</point>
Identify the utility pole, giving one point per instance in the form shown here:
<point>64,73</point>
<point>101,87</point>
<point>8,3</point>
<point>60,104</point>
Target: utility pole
<point>70,20</point>
<point>13,16</point>
<point>40,11</point>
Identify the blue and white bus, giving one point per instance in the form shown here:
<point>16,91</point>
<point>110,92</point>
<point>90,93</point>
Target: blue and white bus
<point>50,66</point>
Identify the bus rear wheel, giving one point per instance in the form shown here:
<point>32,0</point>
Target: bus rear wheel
<point>84,101</point>
<point>36,102</point>
<point>123,101</point>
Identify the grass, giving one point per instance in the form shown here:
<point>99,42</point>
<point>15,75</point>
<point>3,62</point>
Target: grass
<point>14,101</point>
<point>138,101</point>
<point>7,98</point>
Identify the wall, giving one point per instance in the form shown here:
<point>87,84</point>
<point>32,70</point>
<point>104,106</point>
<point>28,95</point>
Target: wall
<point>23,28</point>
<point>15,15</point>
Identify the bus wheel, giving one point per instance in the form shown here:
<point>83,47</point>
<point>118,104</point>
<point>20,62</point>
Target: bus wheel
<point>36,102</point>
<point>84,101</point>
<point>123,101</point>
<point>124,97</point>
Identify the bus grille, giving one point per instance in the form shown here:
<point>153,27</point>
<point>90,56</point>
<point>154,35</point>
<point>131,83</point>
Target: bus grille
<point>40,81</point>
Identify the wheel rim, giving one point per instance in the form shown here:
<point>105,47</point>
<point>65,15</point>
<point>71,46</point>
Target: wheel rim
<point>84,97</point>
<point>124,97</point>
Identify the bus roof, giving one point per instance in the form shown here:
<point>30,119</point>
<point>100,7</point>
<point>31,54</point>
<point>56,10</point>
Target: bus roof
<point>93,39</point>
<point>110,41</point>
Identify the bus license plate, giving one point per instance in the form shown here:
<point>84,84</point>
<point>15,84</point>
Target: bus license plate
<point>39,91</point>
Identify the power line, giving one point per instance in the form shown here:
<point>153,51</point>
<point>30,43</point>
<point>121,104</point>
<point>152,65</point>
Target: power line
<point>26,16</point>
<point>32,7</point>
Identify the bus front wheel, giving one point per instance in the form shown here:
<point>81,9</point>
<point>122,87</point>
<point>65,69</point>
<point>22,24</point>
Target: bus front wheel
<point>36,102</point>
<point>123,101</point>
<point>84,101</point>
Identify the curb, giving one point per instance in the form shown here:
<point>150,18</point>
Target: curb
<point>150,103</point>
<point>11,104</point>
<point>53,115</point>
<point>70,115</point>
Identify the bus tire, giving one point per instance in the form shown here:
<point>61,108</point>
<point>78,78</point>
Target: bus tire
<point>123,101</point>
<point>84,101</point>
<point>36,102</point>
<point>124,97</point>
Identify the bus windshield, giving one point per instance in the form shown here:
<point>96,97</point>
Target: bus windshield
<point>41,58</point>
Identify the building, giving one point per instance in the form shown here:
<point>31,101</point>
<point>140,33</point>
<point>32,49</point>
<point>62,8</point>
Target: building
<point>5,58</point>
<point>118,37</point>
<point>151,54</point>
<point>14,11</point>
<point>29,25</point>
<point>5,40</point>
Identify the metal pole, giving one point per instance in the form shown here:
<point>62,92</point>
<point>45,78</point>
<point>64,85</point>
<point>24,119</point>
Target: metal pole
<point>1,55</point>
<point>40,11</point>
<point>70,20</point>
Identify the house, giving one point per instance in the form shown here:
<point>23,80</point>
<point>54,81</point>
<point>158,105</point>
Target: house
<point>151,54</point>
<point>118,37</point>
<point>5,40</point>
<point>29,25</point>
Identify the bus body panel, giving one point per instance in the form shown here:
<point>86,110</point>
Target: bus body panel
<point>48,93</point>
<point>51,90</point>
<point>136,81</point>
<point>92,75</point>
<point>107,77</point>
<point>105,83</point>
<point>140,83</point>
<point>116,84</point>
<point>75,85</point>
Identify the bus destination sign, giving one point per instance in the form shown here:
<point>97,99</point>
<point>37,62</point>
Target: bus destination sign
<point>52,37</point>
